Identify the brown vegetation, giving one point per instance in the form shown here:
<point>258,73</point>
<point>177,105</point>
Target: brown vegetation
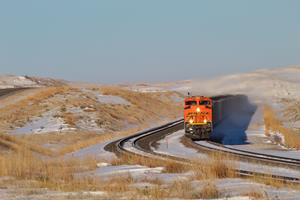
<point>94,139</point>
<point>17,144</point>
<point>273,124</point>
<point>21,112</point>
<point>209,191</point>
<point>212,168</point>
<point>257,195</point>
<point>54,173</point>
<point>169,165</point>
<point>144,110</point>
<point>115,120</point>
<point>150,103</point>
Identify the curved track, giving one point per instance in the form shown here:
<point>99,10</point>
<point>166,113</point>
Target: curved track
<point>141,143</point>
<point>248,155</point>
<point>10,91</point>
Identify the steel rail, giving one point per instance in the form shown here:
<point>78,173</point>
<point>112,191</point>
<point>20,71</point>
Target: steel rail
<point>140,144</point>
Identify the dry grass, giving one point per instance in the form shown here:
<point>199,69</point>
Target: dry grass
<point>216,166</point>
<point>273,124</point>
<point>292,109</point>
<point>95,139</point>
<point>145,108</point>
<point>117,184</point>
<point>17,144</point>
<point>182,189</point>
<point>55,174</point>
<point>257,195</point>
<point>19,113</point>
<point>178,189</point>
<point>169,165</point>
<point>60,139</point>
<point>150,103</point>
<point>269,180</point>
<point>116,120</point>
<point>152,193</point>
<point>212,168</point>
<point>209,191</point>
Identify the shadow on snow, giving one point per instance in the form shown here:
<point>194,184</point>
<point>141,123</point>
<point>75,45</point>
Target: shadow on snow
<point>237,116</point>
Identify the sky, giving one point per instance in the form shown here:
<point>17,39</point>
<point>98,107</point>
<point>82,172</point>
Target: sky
<point>146,41</point>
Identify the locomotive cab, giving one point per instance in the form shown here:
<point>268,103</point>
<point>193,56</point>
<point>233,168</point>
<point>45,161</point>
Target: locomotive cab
<point>198,117</point>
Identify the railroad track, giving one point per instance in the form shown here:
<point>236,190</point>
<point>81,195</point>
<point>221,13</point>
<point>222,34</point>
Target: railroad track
<point>247,155</point>
<point>9,91</point>
<point>140,144</point>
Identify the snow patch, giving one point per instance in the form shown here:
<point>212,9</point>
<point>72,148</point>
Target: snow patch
<point>147,89</point>
<point>44,124</point>
<point>106,99</point>
<point>96,151</point>
<point>135,171</point>
<point>110,99</point>
<point>10,81</point>
<point>171,145</point>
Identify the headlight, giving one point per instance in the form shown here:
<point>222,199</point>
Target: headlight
<point>191,121</point>
<point>205,121</point>
<point>198,110</point>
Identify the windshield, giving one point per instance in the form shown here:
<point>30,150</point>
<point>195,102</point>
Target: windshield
<point>204,102</point>
<point>190,103</point>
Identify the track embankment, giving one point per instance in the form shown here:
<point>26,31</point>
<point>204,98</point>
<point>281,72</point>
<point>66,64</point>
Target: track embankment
<point>142,144</point>
<point>10,91</point>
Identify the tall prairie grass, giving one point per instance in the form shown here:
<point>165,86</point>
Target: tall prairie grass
<point>55,173</point>
<point>18,144</point>
<point>213,167</point>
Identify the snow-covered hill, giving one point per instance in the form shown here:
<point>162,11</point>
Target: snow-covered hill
<point>12,81</point>
<point>263,84</point>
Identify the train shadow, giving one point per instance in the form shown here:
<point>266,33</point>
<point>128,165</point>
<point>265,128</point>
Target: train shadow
<point>232,129</point>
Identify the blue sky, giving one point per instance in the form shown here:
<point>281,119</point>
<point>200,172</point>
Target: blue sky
<point>159,40</point>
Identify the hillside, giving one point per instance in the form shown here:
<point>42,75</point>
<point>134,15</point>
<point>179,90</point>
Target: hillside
<point>266,84</point>
<point>12,81</point>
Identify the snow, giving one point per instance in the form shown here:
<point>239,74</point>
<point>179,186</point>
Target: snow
<point>263,84</point>
<point>175,148</point>
<point>146,89</point>
<point>235,188</point>
<point>88,122</point>
<point>110,99</point>
<point>44,124</point>
<point>106,99</point>
<point>71,195</point>
<point>296,124</point>
<point>132,169</point>
<point>68,195</point>
<point>135,171</point>
<point>171,145</point>
<point>96,151</point>
<point>10,81</point>
<point>177,98</point>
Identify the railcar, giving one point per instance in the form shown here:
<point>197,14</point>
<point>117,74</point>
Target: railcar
<point>202,114</point>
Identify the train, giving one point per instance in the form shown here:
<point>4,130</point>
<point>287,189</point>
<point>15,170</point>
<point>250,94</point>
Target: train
<point>202,113</point>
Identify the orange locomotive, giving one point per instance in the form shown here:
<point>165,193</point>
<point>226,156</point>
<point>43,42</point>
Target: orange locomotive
<point>198,121</point>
